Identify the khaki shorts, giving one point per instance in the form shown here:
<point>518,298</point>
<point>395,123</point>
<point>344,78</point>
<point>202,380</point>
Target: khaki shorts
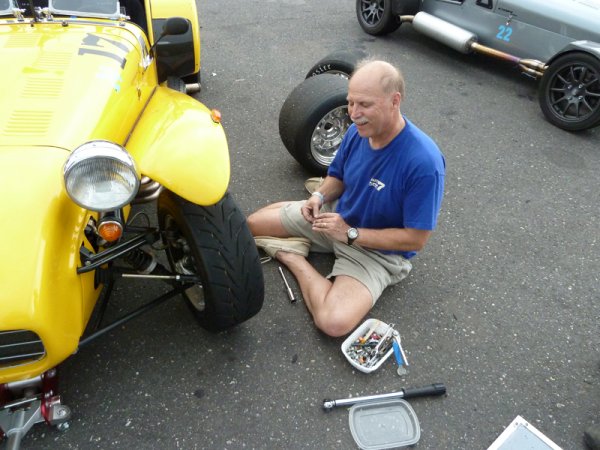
<point>374,269</point>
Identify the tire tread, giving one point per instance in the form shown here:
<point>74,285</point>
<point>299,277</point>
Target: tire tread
<point>231,270</point>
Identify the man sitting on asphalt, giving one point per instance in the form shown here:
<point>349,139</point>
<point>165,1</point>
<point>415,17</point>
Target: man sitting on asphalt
<point>375,209</point>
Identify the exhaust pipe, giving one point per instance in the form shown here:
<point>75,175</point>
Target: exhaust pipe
<point>454,37</point>
<point>192,88</point>
<point>465,42</point>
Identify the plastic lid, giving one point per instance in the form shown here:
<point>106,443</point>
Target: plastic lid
<point>384,424</point>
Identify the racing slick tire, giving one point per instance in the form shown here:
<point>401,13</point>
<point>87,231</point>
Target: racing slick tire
<point>340,62</point>
<point>214,243</point>
<point>376,16</point>
<point>569,92</point>
<point>314,119</point>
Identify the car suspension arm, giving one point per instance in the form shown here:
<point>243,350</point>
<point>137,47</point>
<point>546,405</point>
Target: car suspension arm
<point>92,261</point>
<point>132,315</point>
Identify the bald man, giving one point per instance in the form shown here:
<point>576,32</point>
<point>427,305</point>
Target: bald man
<point>375,209</point>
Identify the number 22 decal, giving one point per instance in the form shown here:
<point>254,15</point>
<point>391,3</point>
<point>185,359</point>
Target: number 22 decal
<point>504,33</point>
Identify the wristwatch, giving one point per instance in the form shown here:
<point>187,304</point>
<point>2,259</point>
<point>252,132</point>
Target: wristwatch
<point>352,234</point>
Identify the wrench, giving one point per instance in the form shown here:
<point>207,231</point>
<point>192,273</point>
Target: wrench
<point>432,389</point>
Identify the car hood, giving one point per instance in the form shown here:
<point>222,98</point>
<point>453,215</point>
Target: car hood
<point>64,84</point>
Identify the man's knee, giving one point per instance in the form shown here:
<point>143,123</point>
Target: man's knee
<point>266,221</point>
<point>253,220</point>
<point>335,324</point>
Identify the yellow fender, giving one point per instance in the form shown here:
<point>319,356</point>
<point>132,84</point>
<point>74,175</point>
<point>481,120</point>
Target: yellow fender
<point>179,145</point>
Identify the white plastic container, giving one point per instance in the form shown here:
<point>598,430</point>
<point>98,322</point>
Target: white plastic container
<point>380,328</point>
<point>384,425</point>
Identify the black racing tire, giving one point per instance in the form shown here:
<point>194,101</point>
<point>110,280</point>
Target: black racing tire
<point>340,62</point>
<point>215,243</point>
<point>376,16</point>
<point>569,92</point>
<point>314,119</point>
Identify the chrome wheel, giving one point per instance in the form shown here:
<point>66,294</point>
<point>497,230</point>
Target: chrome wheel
<point>313,120</point>
<point>328,134</point>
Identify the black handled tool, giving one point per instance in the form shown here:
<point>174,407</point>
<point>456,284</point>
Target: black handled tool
<point>424,391</point>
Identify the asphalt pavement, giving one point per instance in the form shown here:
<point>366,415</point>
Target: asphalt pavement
<point>502,305</point>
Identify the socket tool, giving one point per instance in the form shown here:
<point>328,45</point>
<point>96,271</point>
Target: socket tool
<point>424,391</point>
<point>287,287</point>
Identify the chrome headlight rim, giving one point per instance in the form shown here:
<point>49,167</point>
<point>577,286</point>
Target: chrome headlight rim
<point>101,152</point>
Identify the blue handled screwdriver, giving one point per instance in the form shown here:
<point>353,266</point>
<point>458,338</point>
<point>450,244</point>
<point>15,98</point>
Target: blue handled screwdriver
<point>400,356</point>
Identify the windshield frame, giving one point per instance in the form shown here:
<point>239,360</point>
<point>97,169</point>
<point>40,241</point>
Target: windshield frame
<point>52,9</point>
<point>116,14</point>
<point>9,10</point>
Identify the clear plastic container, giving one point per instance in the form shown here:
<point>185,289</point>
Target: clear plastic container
<point>378,327</point>
<point>384,424</point>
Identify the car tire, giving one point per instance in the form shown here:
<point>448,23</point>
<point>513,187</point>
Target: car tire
<point>569,92</point>
<point>376,17</point>
<point>214,243</point>
<point>313,121</point>
<point>340,62</point>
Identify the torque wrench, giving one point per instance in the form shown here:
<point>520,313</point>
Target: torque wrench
<point>424,391</point>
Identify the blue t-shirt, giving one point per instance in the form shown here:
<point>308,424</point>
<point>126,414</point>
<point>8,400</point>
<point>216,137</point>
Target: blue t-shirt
<point>398,186</point>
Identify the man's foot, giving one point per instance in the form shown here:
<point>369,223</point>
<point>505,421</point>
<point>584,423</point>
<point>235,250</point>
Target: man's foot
<point>591,437</point>
<point>312,184</point>
<point>272,245</point>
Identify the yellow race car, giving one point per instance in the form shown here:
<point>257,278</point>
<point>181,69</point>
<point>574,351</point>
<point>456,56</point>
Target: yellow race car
<point>95,117</point>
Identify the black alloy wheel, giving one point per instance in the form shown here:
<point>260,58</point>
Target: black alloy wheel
<point>570,92</point>
<point>375,16</point>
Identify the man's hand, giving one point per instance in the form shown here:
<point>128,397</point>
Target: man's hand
<point>332,225</point>
<point>310,209</point>
<point>330,190</point>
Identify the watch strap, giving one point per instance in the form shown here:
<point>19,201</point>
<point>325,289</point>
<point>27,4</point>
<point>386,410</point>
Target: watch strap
<point>352,239</point>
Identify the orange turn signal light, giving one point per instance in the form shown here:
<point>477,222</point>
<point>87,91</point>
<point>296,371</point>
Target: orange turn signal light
<point>110,230</point>
<point>215,115</point>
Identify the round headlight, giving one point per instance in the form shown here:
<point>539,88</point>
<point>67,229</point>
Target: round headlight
<point>101,176</point>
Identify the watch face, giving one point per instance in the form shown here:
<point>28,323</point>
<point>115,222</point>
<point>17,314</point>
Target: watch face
<point>352,233</point>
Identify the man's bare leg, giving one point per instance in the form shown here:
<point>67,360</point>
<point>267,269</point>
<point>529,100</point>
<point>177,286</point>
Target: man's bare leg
<point>337,307</point>
<point>266,221</point>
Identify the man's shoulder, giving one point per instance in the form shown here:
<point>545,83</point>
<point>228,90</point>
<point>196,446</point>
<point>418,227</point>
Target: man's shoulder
<point>414,132</point>
<point>422,148</point>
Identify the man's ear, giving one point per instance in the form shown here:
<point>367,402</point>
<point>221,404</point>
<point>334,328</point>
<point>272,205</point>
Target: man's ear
<point>397,99</point>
